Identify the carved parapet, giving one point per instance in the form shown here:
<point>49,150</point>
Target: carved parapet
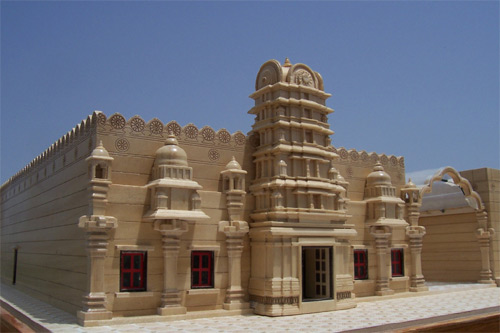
<point>136,126</point>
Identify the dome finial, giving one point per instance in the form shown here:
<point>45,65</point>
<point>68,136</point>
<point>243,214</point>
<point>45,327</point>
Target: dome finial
<point>287,63</point>
<point>171,140</point>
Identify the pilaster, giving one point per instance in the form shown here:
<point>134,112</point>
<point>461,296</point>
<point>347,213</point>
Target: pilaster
<point>382,234</point>
<point>417,280</point>
<point>484,236</point>
<point>170,230</point>
<point>97,234</point>
<point>235,232</point>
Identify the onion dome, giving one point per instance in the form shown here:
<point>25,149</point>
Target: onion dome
<point>233,164</point>
<point>171,153</point>
<point>100,153</point>
<point>378,176</point>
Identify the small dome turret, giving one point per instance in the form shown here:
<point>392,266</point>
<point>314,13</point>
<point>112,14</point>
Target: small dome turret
<point>233,165</point>
<point>100,153</point>
<point>171,153</point>
<point>410,185</point>
<point>378,176</point>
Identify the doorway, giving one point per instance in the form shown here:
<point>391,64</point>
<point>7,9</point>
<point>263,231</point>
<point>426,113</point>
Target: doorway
<point>317,273</point>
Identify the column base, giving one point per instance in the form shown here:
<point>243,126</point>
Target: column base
<point>276,310</point>
<point>488,281</point>
<point>419,289</point>
<point>384,292</point>
<point>236,306</point>
<point>83,317</point>
<point>174,310</point>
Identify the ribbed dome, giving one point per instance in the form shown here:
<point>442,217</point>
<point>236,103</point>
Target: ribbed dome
<point>378,176</point>
<point>171,153</point>
<point>233,164</point>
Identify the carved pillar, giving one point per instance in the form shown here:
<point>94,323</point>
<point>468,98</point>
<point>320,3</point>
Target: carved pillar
<point>417,280</point>
<point>484,234</point>
<point>382,235</point>
<point>235,232</point>
<point>97,235</point>
<point>170,230</point>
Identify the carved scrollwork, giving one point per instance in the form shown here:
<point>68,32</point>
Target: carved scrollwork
<point>402,162</point>
<point>156,126</point>
<point>101,118</point>
<point>117,121</point>
<point>343,153</point>
<point>174,128</point>
<point>374,158</point>
<point>224,136</point>
<point>364,156</point>
<point>207,133</point>
<point>137,124</point>
<point>191,131</point>
<point>240,138</point>
<point>122,144</point>
<point>213,155</point>
<point>303,77</point>
<point>354,155</point>
<point>384,160</point>
<point>394,161</point>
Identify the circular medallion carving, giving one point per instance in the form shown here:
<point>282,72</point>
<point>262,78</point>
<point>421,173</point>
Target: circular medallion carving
<point>224,136</point>
<point>156,127</point>
<point>393,160</point>
<point>122,144</point>
<point>343,154</point>
<point>240,138</point>
<point>333,149</point>
<point>191,131</point>
<point>402,162</point>
<point>303,77</point>
<point>117,121</point>
<point>354,155</point>
<point>101,118</point>
<point>213,155</point>
<point>364,156</point>
<point>137,124</point>
<point>384,160</point>
<point>207,134</point>
<point>174,128</point>
<point>374,158</point>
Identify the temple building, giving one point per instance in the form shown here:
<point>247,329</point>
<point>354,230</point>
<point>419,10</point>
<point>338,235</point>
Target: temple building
<point>124,218</point>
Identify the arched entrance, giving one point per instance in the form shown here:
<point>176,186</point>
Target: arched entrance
<point>456,247</point>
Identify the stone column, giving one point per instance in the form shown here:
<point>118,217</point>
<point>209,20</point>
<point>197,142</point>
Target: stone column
<point>484,234</point>
<point>235,232</point>
<point>382,235</point>
<point>97,235</point>
<point>417,281</point>
<point>170,230</point>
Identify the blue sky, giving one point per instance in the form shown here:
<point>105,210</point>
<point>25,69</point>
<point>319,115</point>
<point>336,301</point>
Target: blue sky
<point>418,79</point>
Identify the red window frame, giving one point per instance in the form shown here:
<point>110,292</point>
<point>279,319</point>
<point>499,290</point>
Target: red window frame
<point>360,264</point>
<point>397,262</point>
<point>133,271</point>
<point>202,272</point>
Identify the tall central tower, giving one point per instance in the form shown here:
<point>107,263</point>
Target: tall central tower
<point>299,236</point>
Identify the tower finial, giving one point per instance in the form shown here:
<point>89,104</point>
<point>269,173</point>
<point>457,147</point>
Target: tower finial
<point>287,63</point>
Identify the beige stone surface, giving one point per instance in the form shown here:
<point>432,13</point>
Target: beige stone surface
<point>279,210</point>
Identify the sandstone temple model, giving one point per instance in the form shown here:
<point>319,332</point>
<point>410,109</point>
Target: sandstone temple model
<point>125,218</point>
